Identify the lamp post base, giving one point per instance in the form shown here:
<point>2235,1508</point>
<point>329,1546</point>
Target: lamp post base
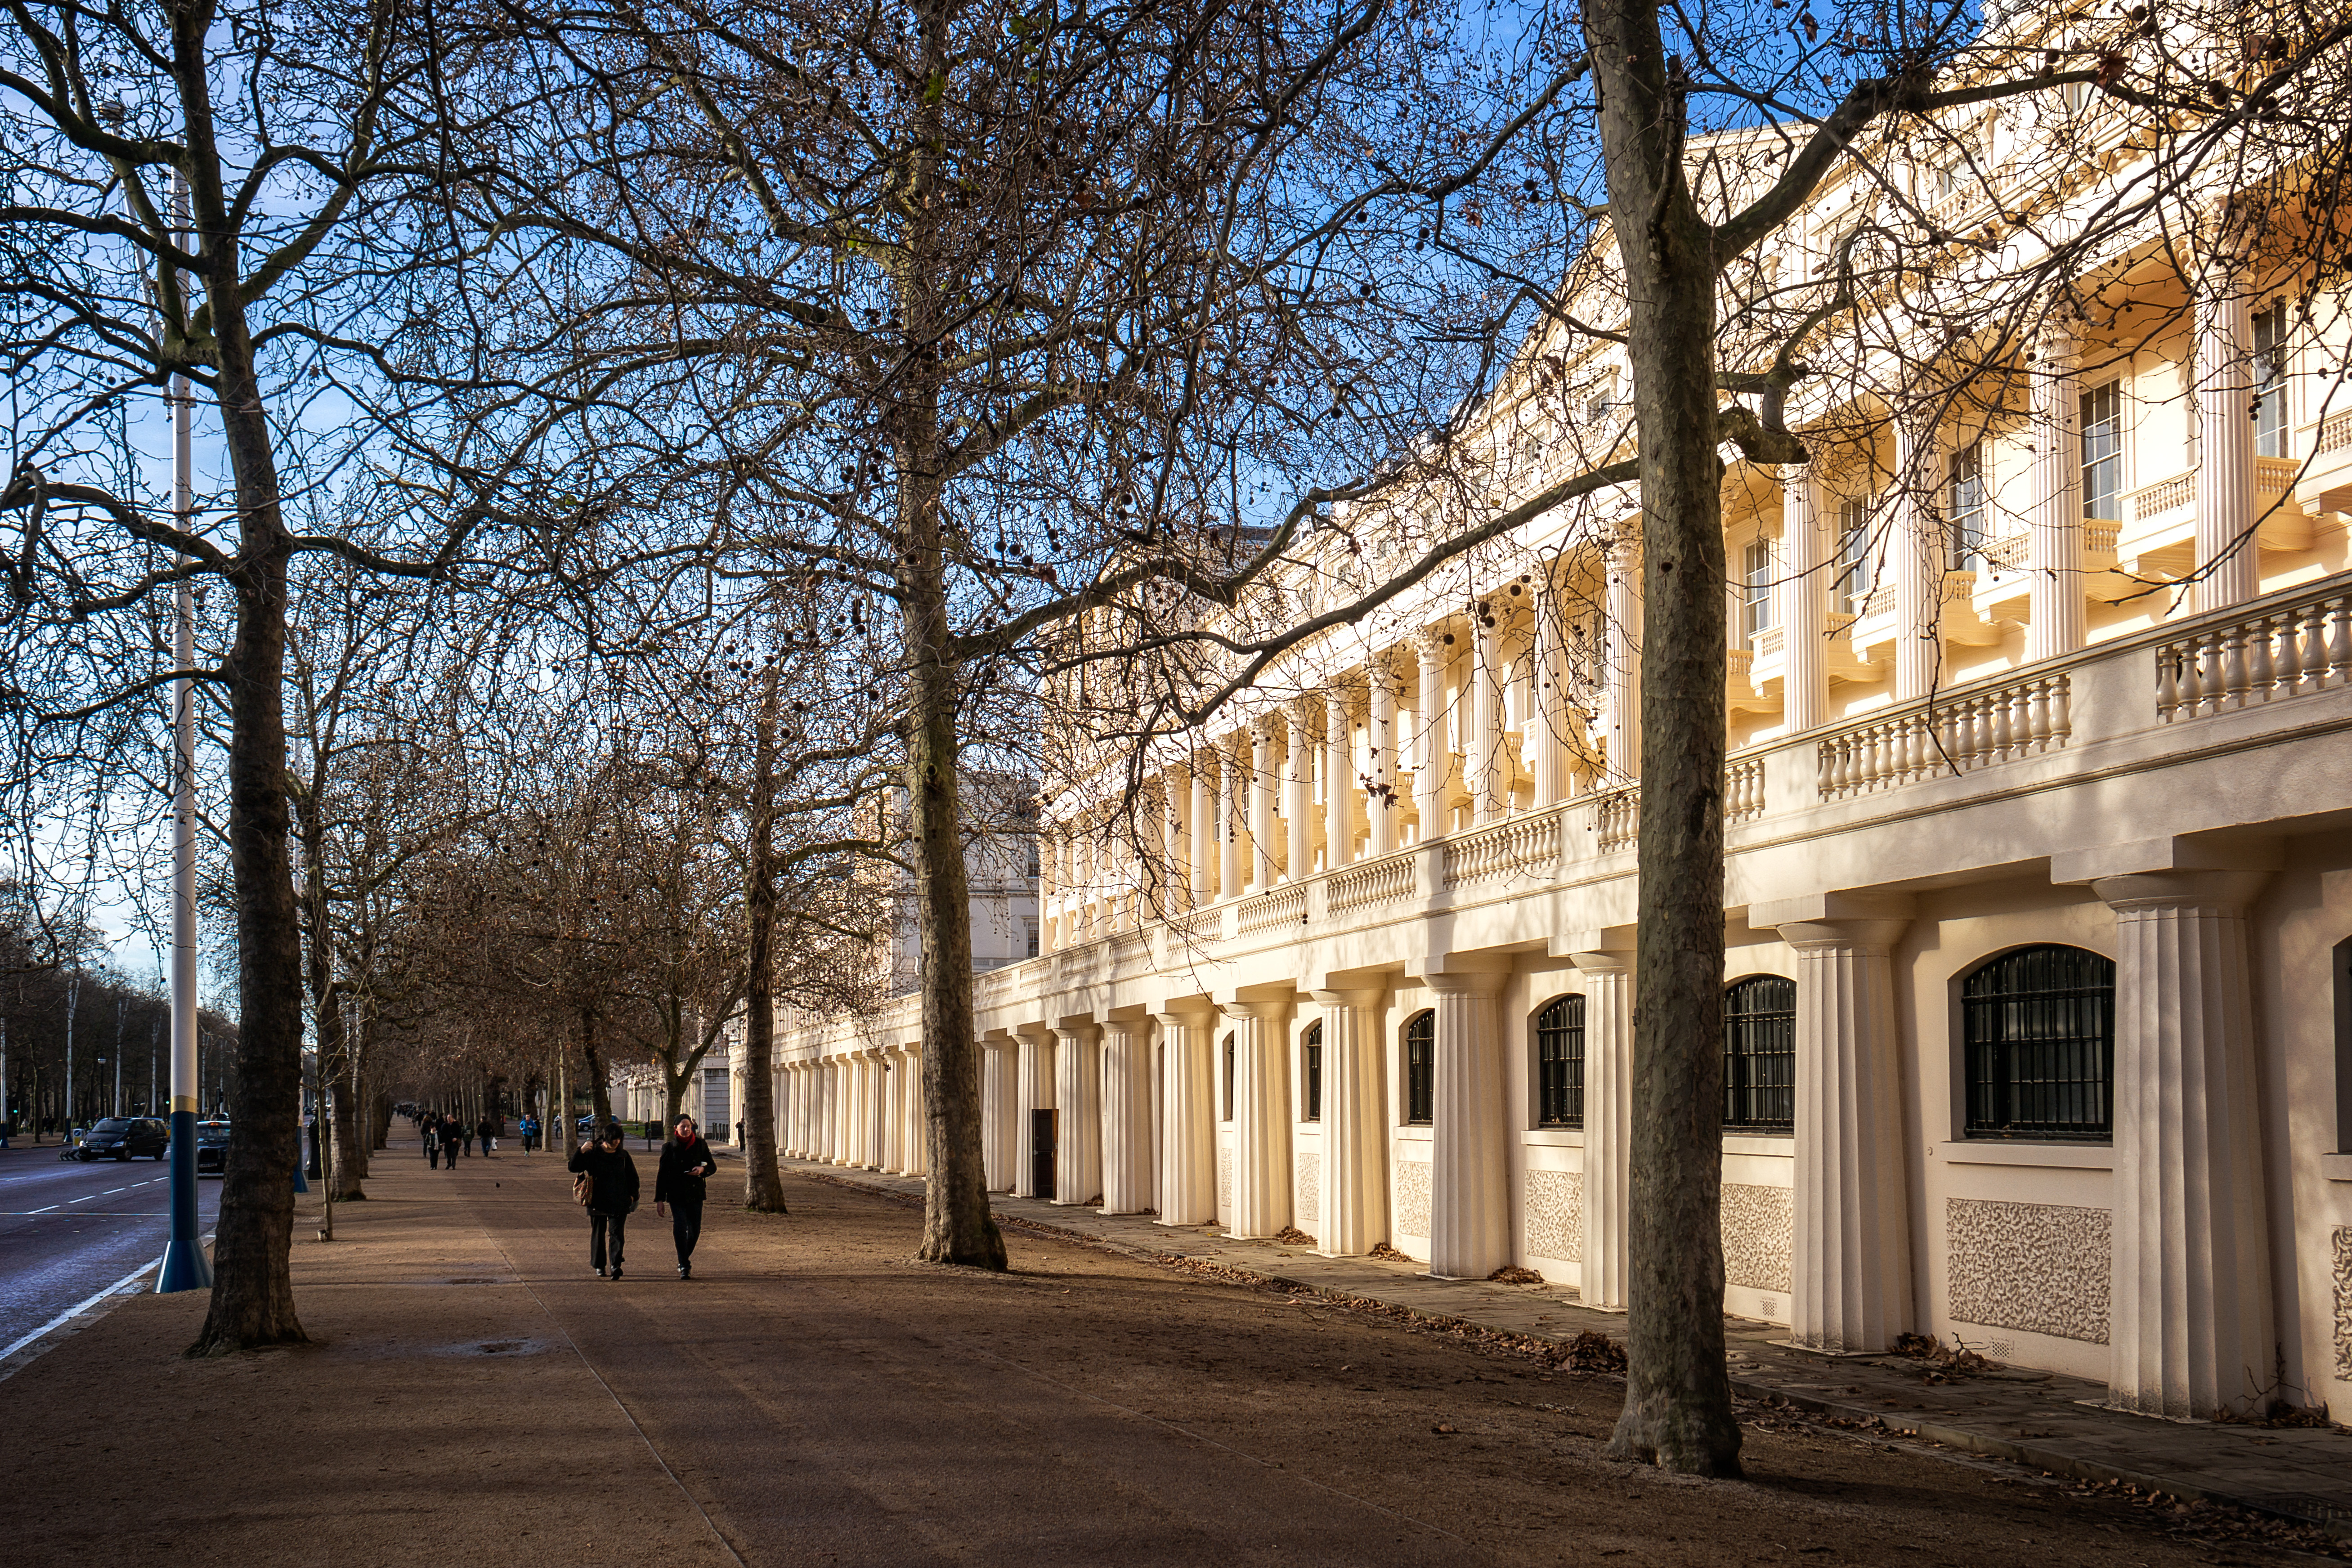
<point>184,1269</point>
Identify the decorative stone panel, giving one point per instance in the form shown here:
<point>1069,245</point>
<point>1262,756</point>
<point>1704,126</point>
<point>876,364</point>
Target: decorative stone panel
<point>1554,1204</point>
<point>1224,1181</point>
<point>1412,1197</point>
<point>1309,1203</point>
<point>2043,1267</point>
<point>1759,1228</point>
<point>2344,1303</point>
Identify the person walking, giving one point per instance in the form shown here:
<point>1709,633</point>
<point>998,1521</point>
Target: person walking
<point>686,1162</point>
<point>529,1130</point>
<point>612,1193</point>
<point>432,1141</point>
<point>488,1133</point>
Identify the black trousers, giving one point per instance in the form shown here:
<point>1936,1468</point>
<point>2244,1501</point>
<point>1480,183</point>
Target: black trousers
<point>432,1155</point>
<point>684,1227</point>
<point>604,1235</point>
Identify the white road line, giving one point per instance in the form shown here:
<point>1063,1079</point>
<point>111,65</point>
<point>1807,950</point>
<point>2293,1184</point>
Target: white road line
<point>44,1211</point>
<point>86,1197</point>
<point>76,1311</point>
<point>112,1191</point>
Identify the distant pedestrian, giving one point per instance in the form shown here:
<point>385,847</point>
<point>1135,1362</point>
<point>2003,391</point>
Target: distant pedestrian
<point>685,1163</point>
<point>432,1143</point>
<point>488,1133</point>
<point>529,1130</point>
<point>738,1134</point>
<point>465,1138</point>
<point>612,1193</point>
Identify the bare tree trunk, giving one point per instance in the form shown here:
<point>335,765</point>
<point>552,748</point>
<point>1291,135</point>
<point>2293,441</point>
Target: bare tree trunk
<point>1677,1388</point>
<point>764,1182</point>
<point>599,1091</point>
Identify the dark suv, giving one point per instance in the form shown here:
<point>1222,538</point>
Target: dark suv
<point>120,1136</point>
<point>212,1147</point>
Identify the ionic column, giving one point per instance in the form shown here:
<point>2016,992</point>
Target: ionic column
<point>1036,1094</point>
<point>1469,1212</point>
<point>2226,558</point>
<point>1201,843</point>
<point>1229,843</point>
<point>1853,1253</point>
<point>1547,724</point>
<point>1621,658</point>
<point>1125,1118</point>
<point>1381,738</point>
<point>1608,1125</point>
<point>999,1143</point>
<point>1432,753</point>
<point>2054,539</point>
<point>1261,806</point>
<point>1077,1094</point>
<point>1355,1204</point>
<point>2193,1328</point>
<point>1297,791</point>
<point>1487,803</point>
<point>1804,571</point>
<point>1261,1119</point>
<point>1188,1161</point>
<point>1916,558</point>
<point>1338,782</point>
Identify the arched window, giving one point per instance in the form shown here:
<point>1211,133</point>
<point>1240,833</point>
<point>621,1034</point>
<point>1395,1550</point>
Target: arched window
<point>1311,1069</point>
<point>1760,1054</point>
<point>1229,1078</point>
<point>1560,1064</point>
<point>2039,1026</point>
<point>1421,1069</point>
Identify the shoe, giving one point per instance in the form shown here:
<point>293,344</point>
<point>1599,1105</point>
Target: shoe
<point>600,1273</point>
<point>616,1274</point>
<point>685,1270</point>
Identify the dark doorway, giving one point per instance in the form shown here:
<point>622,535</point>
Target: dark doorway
<point>1041,1158</point>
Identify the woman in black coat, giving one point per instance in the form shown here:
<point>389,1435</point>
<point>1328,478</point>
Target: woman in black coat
<point>612,1193</point>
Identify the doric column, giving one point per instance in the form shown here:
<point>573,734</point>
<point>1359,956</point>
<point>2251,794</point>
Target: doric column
<point>1229,842</point>
<point>1125,1118</point>
<point>1261,805</point>
<point>2054,539</point>
<point>1188,1114</point>
<point>836,1111</point>
<point>914,1146</point>
<point>1549,723</point>
<point>1201,843</point>
<point>1338,782</point>
<point>1915,557</point>
<point>1469,1212</point>
<point>1036,1094</point>
<point>1431,750</point>
<point>1852,1250</point>
<point>1298,790</point>
<point>1261,1119</point>
<point>998,1141</point>
<point>1484,726</point>
<point>2225,451</point>
<point>1607,1124</point>
<point>1355,1202</point>
<point>1805,582</point>
<point>1621,655</point>
<point>1077,1094</point>
<point>2192,1330</point>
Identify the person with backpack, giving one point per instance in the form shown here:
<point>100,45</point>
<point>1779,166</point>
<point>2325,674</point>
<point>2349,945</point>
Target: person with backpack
<point>604,1182</point>
<point>686,1162</point>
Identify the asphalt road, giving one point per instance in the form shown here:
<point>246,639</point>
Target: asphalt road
<point>67,1230</point>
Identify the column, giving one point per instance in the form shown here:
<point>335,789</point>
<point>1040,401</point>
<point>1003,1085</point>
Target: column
<point>1298,790</point>
<point>1431,750</point>
<point>1125,1118</point>
<point>1608,1125</point>
<point>998,1094</point>
<point>1484,740</point>
<point>1174,852</point>
<point>1201,843</point>
<point>1547,724</point>
<point>1188,1158</point>
<point>1805,570</point>
<point>914,1144</point>
<point>1077,1094</point>
<point>2054,539</point>
<point>1355,1206</point>
<point>2192,1330</point>
<point>835,1113</point>
<point>1036,1094</point>
<point>1261,1119</point>
<point>1853,1249</point>
<point>1261,805</point>
<point>1620,644</point>
<point>1469,1212</point>
<point>1338,782</point>
<point>2226,556</point>
<point>1915,560</point>
<point>1381,738</point>
<point>1229,842</point>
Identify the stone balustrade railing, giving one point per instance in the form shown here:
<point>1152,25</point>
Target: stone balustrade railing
<point>1524,846</point>
<point>1369,886</point>
<point>1949,733</point>
<point>2289,650</point>
<point>1282,906</point>
<point>1617,820</point>
<point>1743,790</point>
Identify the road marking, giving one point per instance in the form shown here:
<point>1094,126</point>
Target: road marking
<point>76,1311</point>
<point>112,1191</point>
<point>44,1211</point>
<point>87,1196</point>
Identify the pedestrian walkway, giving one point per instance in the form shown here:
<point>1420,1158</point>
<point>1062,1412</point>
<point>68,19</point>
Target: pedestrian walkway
<point>2049,1422</point>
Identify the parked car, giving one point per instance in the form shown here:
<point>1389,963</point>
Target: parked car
<point>122,1137</point>
<point>212,1147</point>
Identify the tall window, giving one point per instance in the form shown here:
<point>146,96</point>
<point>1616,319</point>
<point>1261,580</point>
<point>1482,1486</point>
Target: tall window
<point>1311,1069</point>
<point>2039,1026</point>
<point>1969,512</point>
<point>1854,579</point>
<point>1421,1069</point>
<point>1756,587</point>
<point>1760,1054</point>
<point>2102,452</point>
<point>2269,382</point>
<point>1560,1064</point>
<point>1229,1078</point>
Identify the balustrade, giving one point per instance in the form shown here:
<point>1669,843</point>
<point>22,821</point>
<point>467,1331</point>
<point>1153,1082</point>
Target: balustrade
<point>2289,650</point>
<point>1522,845</point>
<point>1743,790</point>
<point>1370,885</point>
<point>1284,906</point>
<point>1617,820</point>
<point>1951,734</point>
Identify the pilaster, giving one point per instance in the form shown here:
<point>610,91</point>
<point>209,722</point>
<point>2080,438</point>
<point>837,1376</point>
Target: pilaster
<point>1127,1118</point>
<point>1078,1133</point>
<point>1469,1211</point>
<point>1607,1124</point>
<point>1354,1210</point>
<point>999,1144</point>
<point>1261,1118</point>
<point>1188,1166</point>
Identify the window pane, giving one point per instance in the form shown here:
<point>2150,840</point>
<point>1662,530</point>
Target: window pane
<point>1760,1054</point>
<point>1313,1071</point>
<point>1971,509</point>
<point>2038,1041</point>
<point>2269,382</point>
<point>1854,578</point>
<point>1421,1069</point>
<point>1756,583</point>
<point>1560,1064</point>
<point>2102,452</point>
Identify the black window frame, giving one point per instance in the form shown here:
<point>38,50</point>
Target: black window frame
<point>1228,1105</point>
<point>1310,1070</point>
<point>1420,1051</point>
<point>2038,1034</point>
<point>1759,1055</point>
<point>1560,1062</point>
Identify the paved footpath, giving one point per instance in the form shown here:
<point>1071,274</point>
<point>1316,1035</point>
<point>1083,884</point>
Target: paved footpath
<point>2052,1423</point>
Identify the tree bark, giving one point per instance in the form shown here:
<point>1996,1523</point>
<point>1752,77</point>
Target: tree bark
<point>599,1091</point>
<point>764,1182</point>
<point>1677,1388</point>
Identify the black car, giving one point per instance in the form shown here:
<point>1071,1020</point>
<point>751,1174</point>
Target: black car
<point>212,1147</point>
<point>120,1136</point>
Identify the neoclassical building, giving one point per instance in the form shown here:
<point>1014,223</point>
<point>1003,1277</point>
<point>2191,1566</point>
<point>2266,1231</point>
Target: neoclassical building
<point>2039,907</point>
